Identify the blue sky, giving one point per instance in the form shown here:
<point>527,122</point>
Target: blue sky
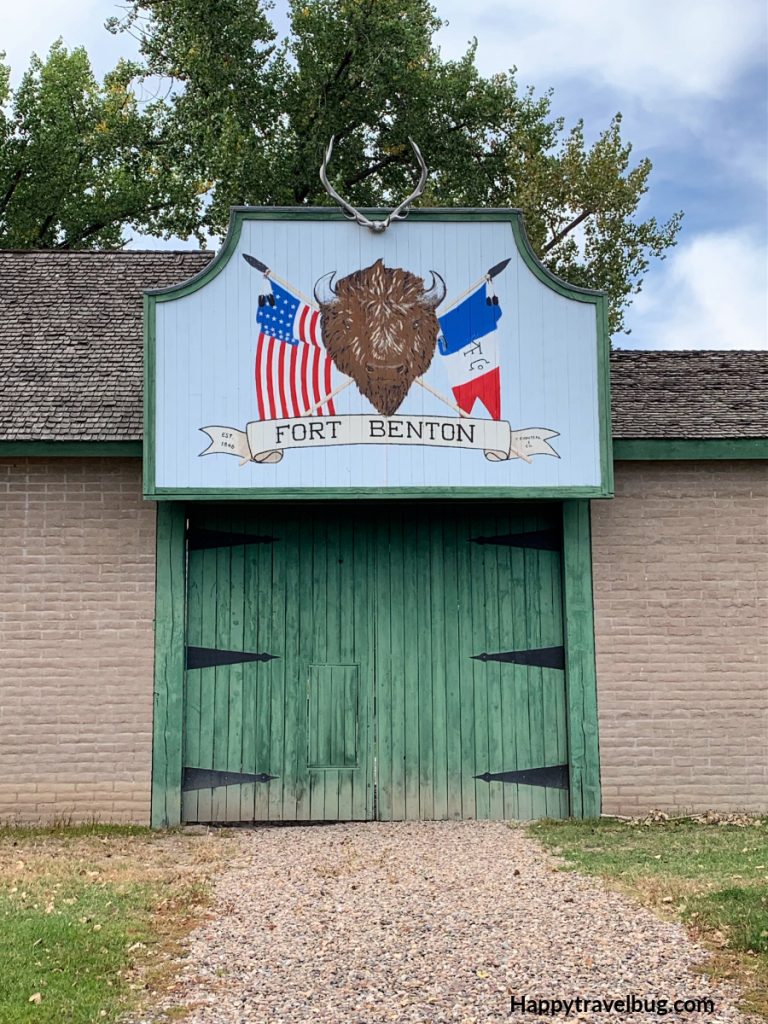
<point>691,80</point>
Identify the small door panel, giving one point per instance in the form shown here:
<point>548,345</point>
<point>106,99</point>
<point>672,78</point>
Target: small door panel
<point>332,707</point>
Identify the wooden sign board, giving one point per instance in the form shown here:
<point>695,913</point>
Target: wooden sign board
<point>314,358</point>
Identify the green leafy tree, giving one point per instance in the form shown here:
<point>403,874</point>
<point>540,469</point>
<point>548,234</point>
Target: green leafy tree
<point>245,117</point>
<point>79,161</point>
<point>254,116</point>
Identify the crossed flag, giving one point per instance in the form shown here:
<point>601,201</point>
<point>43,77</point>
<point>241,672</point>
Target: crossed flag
<point>294,374</point>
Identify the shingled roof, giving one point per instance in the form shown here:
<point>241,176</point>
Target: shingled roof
<point>72,363</point>
<point>72,340</point>
<point>689,394</point>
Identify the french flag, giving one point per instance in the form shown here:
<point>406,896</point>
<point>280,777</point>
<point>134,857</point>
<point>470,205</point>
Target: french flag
<point>469,346</point>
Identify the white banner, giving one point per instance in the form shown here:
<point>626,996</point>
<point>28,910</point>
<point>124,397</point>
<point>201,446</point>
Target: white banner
<point>266,440</point>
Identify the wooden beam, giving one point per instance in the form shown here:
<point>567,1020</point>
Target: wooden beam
<point>580,672</point>
<point>169,665</point>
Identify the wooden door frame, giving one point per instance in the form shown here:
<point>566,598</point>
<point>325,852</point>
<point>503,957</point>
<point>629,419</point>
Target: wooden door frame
<point>168,701</point>
<point>580,669</point>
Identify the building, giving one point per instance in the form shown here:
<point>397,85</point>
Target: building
<point>678,573</point>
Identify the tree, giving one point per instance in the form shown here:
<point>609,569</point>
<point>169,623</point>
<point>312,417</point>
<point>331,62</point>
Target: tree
<point>256,117</point>
<point>246,117</point>
<point>80,161</point>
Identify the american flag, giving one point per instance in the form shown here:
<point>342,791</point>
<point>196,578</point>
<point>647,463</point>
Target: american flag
<point>293,372</point>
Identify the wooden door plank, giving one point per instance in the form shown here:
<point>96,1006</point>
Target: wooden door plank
<point>367,653</point>
<point>252,679</point>
<point>348,696</point>
<point>422,633</point>
<point>193,695</point>
<point>535,676</point>
<point>514,683</point>
<point>167,735</point>
<point>318,652</point>
<point>266,612</point>
<point>222,674</point>
<point>497,601</point>
<point>296,617</point>
<point>401,673</point>
<point>384,667</point>
<point>207,680</point>
<point>356,646</point>
<point>334,717</point>
<point>553,682</point>
<point>439,688</point>
<point>465,674</point>
<point>236,676</point>
<point>581,680</point>
<point>450,630</point>
<point>480,677</point>
<point>413,627</point>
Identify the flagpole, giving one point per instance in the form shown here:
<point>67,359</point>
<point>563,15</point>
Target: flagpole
<point>323,401</point>
<point>464,294</point>
<point>446,401</point>
<point>488,276</point>
<point>291,288</point>
<point>265,270</point>
<point>461,412</point>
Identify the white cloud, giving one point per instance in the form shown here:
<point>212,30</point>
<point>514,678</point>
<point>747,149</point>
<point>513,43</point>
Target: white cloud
<point>710,293</point>
<point>658,48</point>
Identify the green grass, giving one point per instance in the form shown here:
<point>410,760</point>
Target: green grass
<point>64,829</point>
<point>713,877</point>
<point>71,946</point>
<point>742,914</point>
<point>90,916</point>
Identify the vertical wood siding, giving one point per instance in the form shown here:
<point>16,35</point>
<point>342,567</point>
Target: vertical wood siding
<point>391,635</point>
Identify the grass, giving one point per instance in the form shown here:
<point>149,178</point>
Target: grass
<point>714,877</point>
<point>91,915</point>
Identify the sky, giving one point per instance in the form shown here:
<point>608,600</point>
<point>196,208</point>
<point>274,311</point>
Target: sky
<point>690,78</point>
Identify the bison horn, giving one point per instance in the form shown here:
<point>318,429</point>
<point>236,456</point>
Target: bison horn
<point>325,293</point>
<point>436,293</point>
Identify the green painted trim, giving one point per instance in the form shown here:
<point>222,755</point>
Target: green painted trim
<point>148,468</point>
<point>214,268</point>
<point>581,676</point>
<point>604,397</point>
<point>72,449</point>
<point>514,217</point>
<point>379,493</point>
<point>662,449</point>
<point>169,665</point>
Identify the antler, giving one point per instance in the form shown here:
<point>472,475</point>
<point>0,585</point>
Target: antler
<point>399,213</point>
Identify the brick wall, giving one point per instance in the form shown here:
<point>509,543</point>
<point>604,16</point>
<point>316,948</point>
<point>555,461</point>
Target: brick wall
<point>76,607</point>
<point>681,603</point>
<point>681,606</point>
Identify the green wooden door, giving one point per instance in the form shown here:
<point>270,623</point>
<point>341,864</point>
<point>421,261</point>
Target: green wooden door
<point>353,661</point>
<point>470,680</point>
<point>279,672</point>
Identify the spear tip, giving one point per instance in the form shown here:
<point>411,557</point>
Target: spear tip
<point>255,263</point>
<point>497,269</point>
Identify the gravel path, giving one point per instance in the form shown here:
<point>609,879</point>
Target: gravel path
<point>432,921</point>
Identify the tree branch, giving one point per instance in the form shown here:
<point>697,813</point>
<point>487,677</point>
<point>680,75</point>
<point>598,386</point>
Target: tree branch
<point>11,189</point>
<point>393,158</point>
<point>95,226</point>
<point>566,230</point>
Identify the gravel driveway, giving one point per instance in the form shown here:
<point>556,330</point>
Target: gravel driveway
<point>431,921</point>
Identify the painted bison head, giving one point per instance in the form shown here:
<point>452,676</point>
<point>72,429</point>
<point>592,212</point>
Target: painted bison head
<point>380,328</point>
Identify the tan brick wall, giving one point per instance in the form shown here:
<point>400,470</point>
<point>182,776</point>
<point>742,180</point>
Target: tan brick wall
<point>681,606</point>
<point>77,548</point>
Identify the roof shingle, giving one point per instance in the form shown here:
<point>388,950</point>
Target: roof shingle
<point>72,357</point>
